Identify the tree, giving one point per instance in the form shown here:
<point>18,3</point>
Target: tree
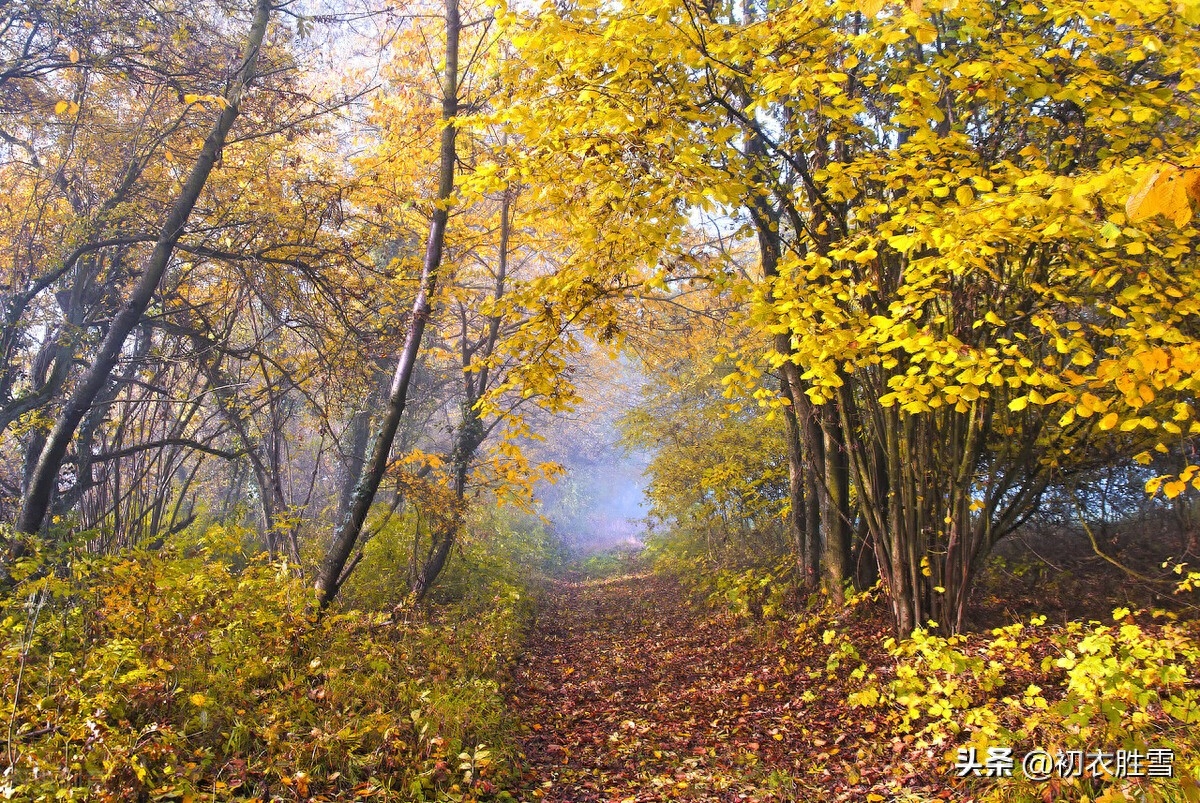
<point>36,499</point>
<point>331,575</point>
<point>949,281</point>
<point>718,478</point>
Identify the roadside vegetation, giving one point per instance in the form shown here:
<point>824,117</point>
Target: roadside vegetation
<point>201,670</point>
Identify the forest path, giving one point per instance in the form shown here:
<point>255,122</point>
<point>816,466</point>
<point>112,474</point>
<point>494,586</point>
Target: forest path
<point>629,693</point>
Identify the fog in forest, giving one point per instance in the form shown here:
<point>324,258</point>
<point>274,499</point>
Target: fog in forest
<point>598,503</point>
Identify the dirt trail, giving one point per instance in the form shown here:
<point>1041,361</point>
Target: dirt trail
<point>630,694</point>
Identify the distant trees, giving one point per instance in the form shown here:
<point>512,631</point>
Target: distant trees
<point>720,478</point>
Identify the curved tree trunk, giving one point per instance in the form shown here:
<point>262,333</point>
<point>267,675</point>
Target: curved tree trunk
<point>331,577</point>
<point>36,500</point>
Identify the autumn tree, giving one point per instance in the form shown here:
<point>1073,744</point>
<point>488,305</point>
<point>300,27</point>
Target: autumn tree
<point>243,349</point>
<point>348,530</point>
<point>37,495</point>
<point>950,282</point>
<point>717,479</point>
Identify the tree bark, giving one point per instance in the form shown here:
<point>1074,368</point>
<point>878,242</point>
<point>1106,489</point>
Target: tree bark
<point>270,492</point>
<point>467,441</point>
<point>800,500</point>
<point>836,546</point>
<point>359,432</point>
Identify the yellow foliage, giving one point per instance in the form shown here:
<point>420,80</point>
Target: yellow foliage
<point>1166,191</point>
<point>276,693</point>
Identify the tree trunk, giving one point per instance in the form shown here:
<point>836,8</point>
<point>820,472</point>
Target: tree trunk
<point>45,476</point>
<point>270,492</point>
<point>471,433</point>
<point>836,546</point>
<point>805,447</point>
<point>330,577</point>
<point>359,431</point>
<point>799,519</point>
<point>467,441</point>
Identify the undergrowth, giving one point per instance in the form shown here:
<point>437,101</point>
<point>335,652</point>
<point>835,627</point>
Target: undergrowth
<point>195,672</point>
<point>959,705</point>
<point>1114,706</point>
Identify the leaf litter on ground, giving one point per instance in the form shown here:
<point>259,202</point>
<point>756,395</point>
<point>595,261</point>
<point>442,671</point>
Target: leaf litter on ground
<point>631,692</point>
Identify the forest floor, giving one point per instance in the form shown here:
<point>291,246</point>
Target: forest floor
<point>632,690</point>
<point>629,691</point>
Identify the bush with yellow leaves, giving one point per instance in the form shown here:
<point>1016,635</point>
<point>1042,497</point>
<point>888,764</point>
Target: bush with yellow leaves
<point>198,672</point>
<point>1094,688</point>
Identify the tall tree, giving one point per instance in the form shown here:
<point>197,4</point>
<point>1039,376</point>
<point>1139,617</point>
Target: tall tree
<point>330,577</point>
<point>36,499</point>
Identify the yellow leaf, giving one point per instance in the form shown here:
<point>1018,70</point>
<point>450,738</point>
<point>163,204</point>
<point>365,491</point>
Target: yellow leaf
<point>964,195</point>
<point>198,700</point>
<point>1109,421</point>
<point>1137,207</point>
<point>190,98</point>
<point>1162,192</point>
<point>61,106</point>
<point>1191,182</point>
<point>1179,206</point>
<point>870,8</point>
<point>1174,488</point>
<point>73,55</point>
<point>1018,404</point>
